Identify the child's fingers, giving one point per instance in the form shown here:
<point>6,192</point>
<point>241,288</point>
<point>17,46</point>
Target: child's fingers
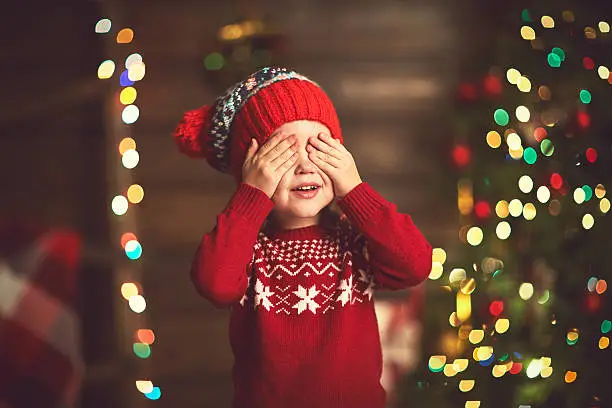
<point>283,157</point>
<point>251,150</point>
<point>325,147</point>
<point>324,160</point>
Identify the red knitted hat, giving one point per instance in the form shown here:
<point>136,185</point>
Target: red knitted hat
<point>253,108</point>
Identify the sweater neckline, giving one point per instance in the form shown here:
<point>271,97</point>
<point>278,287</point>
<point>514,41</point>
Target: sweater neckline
<point>303,233</point>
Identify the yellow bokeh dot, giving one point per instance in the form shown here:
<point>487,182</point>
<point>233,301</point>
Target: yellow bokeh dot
<point>604,342</point>
<point>513,141</point>
<point>466,385</point>
<point>472,404</point>
<point>144,386</point>
<point>525,184</point>
<point>515,207</point>
<point>476,336</point>
<point>475,236</point>
<point>603,72</point>
<point>548,22</point>
<point>128,290</point>
<point>128,95</point>
<point>522,113</point>
<point>568,16</point>
<point>546,372</point>
<point>502,325</point>
<point>503,230</point>
<point>135,193</point>
<point>438,255</point>
<point>106,69</point>
<point>529,211</point>
<point>524,84</point>
<point>604,26</point>
<point>125,36</point>
<point>498,370</point>
<point>527,33</point>
<point>501,209</point>
<point>436,271</point>
<point>126,144</point>
<point>600,191</point>
<point>588,221</point>
<point>513,76</point>
<point>543,194</point>
<point>590,33</point>
<point>437,362</point>
<point>460,364</point>
<point>526,290</point>
<point>449,370</point>
<point>493,139</point>
<point>604,205</point>
<point>570,376</point>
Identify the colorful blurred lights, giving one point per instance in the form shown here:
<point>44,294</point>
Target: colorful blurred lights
<point>525,184</point>
<point>503,230</point>
<point>130,114</point>
<point>135,193</point>
<point>128,95</point>
<point>137,304</point>
<point>133,249</point>
<point>130,158</point>
<point>128,290</point>
<point>106,69</point>
<point>475,236</point>
<point>119,205</point>
<point>543,194</point>
<point>103,26</point>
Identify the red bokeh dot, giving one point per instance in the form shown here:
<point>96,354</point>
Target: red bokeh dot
<point>588,63</point>
<point>467,91</point>
<point>540,134</point>
<point>516,368</point>
<point>591,155</point>
<point>496,308</point>
<point>492,85</point>
<point>482,209</point>
<point>556,181</point>
<point>461,155</point>
<point>584,120</point>
<point>128,236</point>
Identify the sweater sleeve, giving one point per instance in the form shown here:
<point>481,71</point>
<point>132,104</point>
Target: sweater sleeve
<point>399,255</point>
<point>219,267</point>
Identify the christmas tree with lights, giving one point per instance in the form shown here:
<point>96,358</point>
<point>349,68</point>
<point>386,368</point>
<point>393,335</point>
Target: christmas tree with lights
<point>518,313</point>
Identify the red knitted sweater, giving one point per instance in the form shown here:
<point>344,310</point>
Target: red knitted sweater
<point>303,328</point>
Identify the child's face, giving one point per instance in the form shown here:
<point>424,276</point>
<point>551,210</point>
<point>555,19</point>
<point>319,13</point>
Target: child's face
<point>295,209</point>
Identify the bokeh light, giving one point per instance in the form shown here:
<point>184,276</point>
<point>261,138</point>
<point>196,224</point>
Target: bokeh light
<point>103,26</point>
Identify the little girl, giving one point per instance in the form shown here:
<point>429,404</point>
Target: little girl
<point>299,281</point>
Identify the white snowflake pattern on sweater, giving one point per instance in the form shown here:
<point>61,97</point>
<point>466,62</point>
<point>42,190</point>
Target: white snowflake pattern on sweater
<point>314,275</point>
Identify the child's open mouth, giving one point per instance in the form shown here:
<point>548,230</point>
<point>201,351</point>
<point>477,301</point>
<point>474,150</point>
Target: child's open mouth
<point>306,191</point>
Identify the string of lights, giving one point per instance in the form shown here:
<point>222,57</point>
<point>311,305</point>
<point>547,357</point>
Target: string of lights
<point>526,138</point>
<point>125,112</point>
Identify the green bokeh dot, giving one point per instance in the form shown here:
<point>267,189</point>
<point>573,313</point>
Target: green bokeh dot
<point>547,148</point>
<point>554,60</point>
<point>525,15</point>
<point>501,117</point>
<point>142,350</point>
<point>606,326</point>
<point>588,192</point>
<point>585,96</point>
<point>559,52</point>
<point>214,61</point>
<point>530,155</point>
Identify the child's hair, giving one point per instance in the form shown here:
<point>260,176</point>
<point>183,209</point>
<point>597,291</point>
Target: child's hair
<point>254,108</point>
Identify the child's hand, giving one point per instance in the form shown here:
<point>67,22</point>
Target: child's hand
<point>263,168</point>
<point>332,157</point>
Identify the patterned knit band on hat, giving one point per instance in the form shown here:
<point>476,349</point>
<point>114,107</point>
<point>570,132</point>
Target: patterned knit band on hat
<point>253,108</point>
